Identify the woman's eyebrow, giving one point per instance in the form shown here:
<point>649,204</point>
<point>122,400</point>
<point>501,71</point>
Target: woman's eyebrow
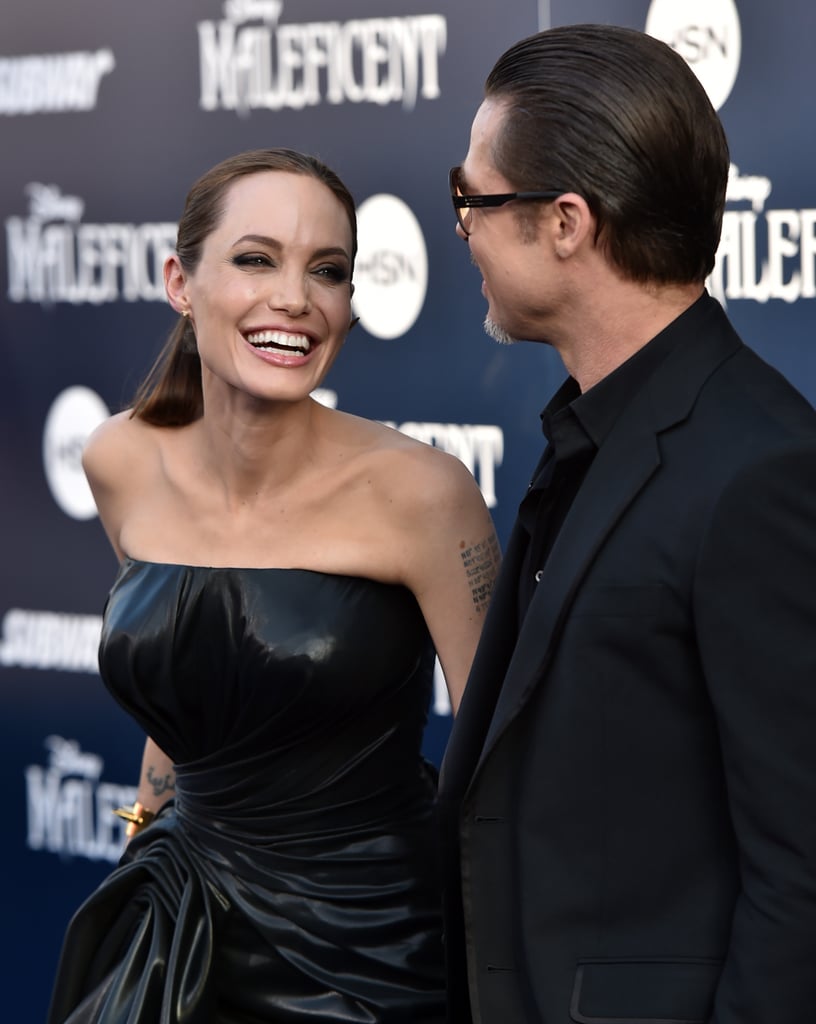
<point>273,243</point>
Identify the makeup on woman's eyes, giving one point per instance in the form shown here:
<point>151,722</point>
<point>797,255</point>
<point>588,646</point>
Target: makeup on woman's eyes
<point>252,259</point>
<point>337,273</point>
<point>271,249</point>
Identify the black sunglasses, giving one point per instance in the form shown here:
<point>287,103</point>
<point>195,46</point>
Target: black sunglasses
<point>463,204</point>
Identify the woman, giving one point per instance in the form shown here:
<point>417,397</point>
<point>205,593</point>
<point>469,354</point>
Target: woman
<point>287,571</point>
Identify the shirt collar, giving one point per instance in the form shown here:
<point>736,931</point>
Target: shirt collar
<point>597,410</point>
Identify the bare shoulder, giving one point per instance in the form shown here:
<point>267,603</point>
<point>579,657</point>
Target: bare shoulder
<point>427,502</point>
<point>121,458</point>
<point>116,450</point>
<point>413,477</point>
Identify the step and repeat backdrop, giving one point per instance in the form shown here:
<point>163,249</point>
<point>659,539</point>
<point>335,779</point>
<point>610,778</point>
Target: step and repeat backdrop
<point>108,112</point>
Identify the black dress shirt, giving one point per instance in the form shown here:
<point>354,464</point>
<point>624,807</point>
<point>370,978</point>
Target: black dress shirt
<point>575,426</point>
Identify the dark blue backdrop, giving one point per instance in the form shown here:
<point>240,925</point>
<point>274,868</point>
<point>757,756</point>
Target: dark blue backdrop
<point>107,114</point>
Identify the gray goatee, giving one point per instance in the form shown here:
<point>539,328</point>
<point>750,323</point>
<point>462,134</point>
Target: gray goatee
<point>499,334</point>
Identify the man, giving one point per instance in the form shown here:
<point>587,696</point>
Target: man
<point>630,785</point>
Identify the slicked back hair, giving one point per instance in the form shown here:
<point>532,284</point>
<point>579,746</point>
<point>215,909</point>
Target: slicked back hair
<point>618,117</point>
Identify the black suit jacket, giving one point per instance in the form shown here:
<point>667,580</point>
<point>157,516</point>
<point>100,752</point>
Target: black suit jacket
<point>629,790</point>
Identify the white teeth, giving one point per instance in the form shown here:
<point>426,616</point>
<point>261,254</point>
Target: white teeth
<point>279,339</point>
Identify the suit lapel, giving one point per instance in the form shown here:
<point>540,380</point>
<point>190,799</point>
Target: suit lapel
<point>627,460</point>
<point>619,471</point>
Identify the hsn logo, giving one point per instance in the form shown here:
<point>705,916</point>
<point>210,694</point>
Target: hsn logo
<point>391,272</point>
<point>706,33</point>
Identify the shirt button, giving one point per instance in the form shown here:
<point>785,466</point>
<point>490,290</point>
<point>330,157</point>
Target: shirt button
<point>538,575</point>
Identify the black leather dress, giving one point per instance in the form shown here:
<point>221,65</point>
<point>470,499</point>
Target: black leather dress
<point>295,877</point>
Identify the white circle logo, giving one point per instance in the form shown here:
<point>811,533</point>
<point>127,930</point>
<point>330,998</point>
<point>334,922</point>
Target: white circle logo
<point>706,33</point>
<point>74,413</point>
<point>391,270</point>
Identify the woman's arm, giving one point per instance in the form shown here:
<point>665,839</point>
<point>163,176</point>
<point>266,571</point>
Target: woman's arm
<point>157,780</point>
<point>452,562</point>
<point>157,785</point>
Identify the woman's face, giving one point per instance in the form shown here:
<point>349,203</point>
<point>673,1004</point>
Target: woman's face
<point>270,299</point>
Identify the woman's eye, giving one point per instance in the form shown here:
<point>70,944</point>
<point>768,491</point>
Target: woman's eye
<point>333,273</point>
<point>252,259</point>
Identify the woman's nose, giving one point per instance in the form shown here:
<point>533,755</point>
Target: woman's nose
<point>290,292</point>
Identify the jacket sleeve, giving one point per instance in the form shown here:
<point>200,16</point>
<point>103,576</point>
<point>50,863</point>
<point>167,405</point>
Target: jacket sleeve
<point>755,615</point>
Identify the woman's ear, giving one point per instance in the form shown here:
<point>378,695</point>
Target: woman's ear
<point>175,284</point>
<point>355,319</point>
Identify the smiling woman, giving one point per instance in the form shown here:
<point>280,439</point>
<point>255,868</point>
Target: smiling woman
<point>287,573</point>
<point>282,294</point>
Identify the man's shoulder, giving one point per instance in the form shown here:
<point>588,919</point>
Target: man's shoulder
<point>747,384</point>
<point>713,374</point>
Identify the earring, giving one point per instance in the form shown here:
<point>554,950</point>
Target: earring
<point>185,313</point>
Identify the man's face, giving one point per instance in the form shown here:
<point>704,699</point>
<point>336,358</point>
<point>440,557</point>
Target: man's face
<point>517,266</point>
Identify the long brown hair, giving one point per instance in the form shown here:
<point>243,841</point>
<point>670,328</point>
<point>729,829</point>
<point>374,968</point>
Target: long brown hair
<point>171,395</point>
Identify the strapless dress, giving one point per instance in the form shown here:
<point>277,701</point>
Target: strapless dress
<point>295,876</point>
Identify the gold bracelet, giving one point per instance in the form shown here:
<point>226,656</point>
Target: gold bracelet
<point>137,817</point>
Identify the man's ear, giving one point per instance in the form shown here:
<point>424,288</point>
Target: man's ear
<point>573,223</point>
<point>175,284</point>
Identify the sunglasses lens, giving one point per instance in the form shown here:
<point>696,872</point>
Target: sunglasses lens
<point>463,213</point>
